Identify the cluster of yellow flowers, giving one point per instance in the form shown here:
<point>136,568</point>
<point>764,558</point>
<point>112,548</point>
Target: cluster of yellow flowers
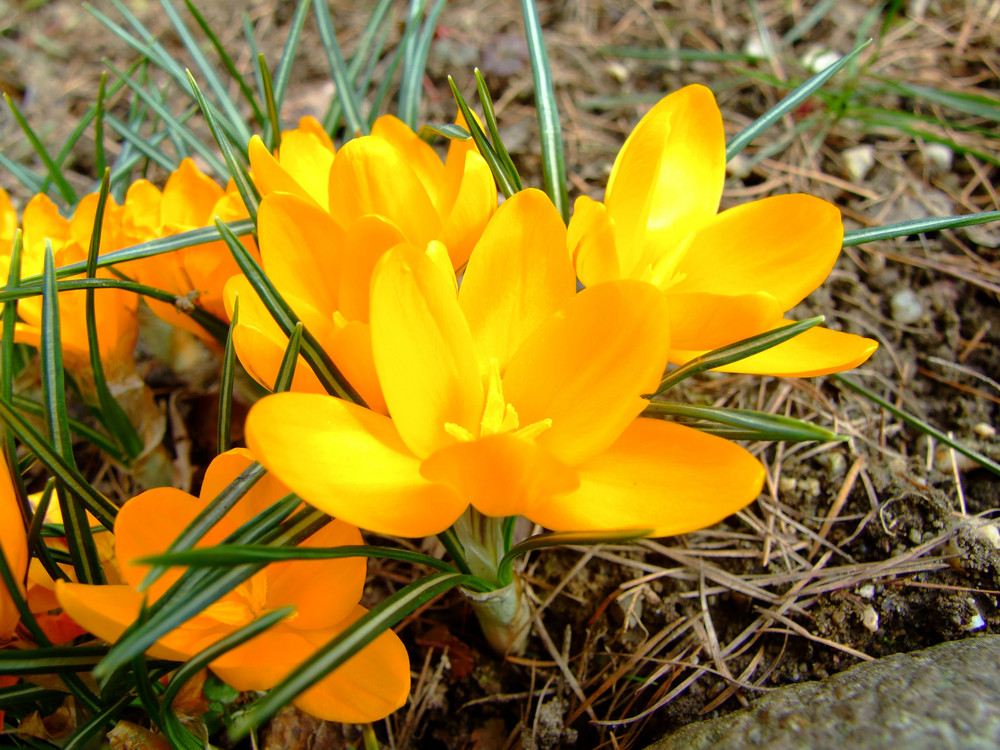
<point>488,379</point>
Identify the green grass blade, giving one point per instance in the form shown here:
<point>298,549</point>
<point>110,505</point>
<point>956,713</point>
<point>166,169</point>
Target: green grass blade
<point>248,191</point>
<point>921,425</point>
<point>486,149</point>
<point>226,380</point>
<point>232,554</point>
<point>287,368</point>
<point>735,352</point>
<point>550,129</point>
<point>315,356</point>
<point>380,618</point>
<point>742,139</point>
<point>111,413</point>
<point>146,146</point>
<point>229,109</point>
<point>660,53</point>
<point>251,40</point>
<point>971,104</point>
<point>81,429</point>
<point>100,160</point>
<point>284,72</point>
<point>490,115</point>
<point>9,321</point>
<point>409,86</point>
<point>919,226</point>
<point>809,20</point>
<point>562,538</point>
<point>54,172</point>
<point>382,92</point>
<point>272,138</point>
<point>227,63</point>
<point>83,735</point>
<point>450,130</point>
<point>51,660</point>
<point>762,425</point>
<point>343,78</point>
<point>22,174</point>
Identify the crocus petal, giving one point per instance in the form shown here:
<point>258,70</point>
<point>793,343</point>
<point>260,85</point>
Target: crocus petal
<point>107,610</point>
<point>660,476</point>
<point>708,321</point>
<point>308,161</point>
<point>668,177</point>
<point>350,346</point>
<point>502,474</point>
<point>586,369</point>
<point>81,226</point>
<point>300,247</point>
<point>418,153</point>
<point>367,687</point>
<point>370,176</point>
<point>221,472</point>
<point>365,241</point>
<point>13,546</point>
<point>260,344</point>
<point>41,220</point>
<point>523,253</point>
<point>349,462</point>
<point>188,196</point>
<point>591,243</point>
<point>269,176</point>
<point>818,351</point>
<point>785,245</point>
<point>423,350</point>
<point>470,202</point>
<point>141,212</point>
<point>309,124</point>
<point>323,591</point>
<point>8,220</point>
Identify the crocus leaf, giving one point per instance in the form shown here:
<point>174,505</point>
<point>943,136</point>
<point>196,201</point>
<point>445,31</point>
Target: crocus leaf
<point>490,115</point>
<point>273,138</point>
<point>65,190</point>
<point>416,45</point>
<point>919,226</point>
<point>757,425</point>
<point>226,380</point>
<point>343,78</point>
<point>561,538</point>
<point>486,149</point>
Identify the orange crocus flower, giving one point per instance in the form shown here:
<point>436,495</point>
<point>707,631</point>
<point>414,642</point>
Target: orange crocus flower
<point>369,686</point>
<point>513,394</point>
<point>726,276</point>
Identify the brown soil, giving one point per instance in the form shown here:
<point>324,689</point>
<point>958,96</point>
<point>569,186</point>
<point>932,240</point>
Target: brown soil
<point>855,550</point>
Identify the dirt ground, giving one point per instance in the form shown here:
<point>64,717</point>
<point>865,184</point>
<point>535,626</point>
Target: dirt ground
<point>855,550</point>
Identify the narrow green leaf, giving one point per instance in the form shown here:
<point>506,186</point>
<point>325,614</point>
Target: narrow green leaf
<point>111,413</point>
<point>382,616</point>
<point>342,77</point>
<point>742,139</point>
<point>251,40</point>
<point>550,129</point>
<point>486,149</point>
<point>451,131</point>
<point>284,72</point>
<point>52,660</point>
<point>230,111</point>
<point>735,352</point>
<point>761,425</point>
<point>382,92</point>
<point>82,736</point>
<point>919,226</point>
<point>248,191</point>
<point>9,321</point>
<point>453,545</point>
<point>146,146</point>
<point>273,134</point>
<point>286,370</point>
<point>920,424</point>
<point>22,174</point>
<point>315,356</point>
<point>409,86</point>
<point>226,380</point>
<point>490,115</point>
<point>56,175</point>
<point>227,555</point>
<point>100,161</point>
<point>562,538</point>
<point>662,53</point>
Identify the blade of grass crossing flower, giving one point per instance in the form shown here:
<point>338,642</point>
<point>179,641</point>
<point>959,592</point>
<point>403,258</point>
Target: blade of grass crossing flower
<point>9,320</point>
<point>248,191</point>
<point>100,161</point>
<point>230,111</point>
<point>373,40</point>
<point>284,71</point>
<point>273,135</point>
<point>735,352</point>
<point>287,368</point>
<point>742,139</point>
<point>550,129</point>
<point>919,226</point>
<point>326,371</point>
<point>227,63</point>
<point>175,731</point>
<point>450,131</point>
<point>490,116</point>
<point>382,616</point>
<point>65,190</point>
<point>762,425</point>
<point>226,379</point>
<point>350,106</point>
<point>559,539</point>
<point>486,149</point>
<point>111,413</point>
<point>82,430</point>
<point>51,660</point>
<point>79,539</point>
<point>920,424</point>
<point>95,502</point>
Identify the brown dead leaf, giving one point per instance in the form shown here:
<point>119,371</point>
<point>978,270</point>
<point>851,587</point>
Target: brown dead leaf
<point>129,736</point>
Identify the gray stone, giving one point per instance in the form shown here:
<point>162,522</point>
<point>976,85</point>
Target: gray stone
<point>947,696</point>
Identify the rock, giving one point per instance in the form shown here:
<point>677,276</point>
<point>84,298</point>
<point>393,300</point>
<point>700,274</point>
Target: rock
<point>947,696</point>
<point>906,307</point>
<point>858,161</point>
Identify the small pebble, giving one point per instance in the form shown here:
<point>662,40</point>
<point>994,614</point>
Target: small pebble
<point>989,533</point>
<point>754,47</point>
<point>810,487</point>
<point>939,157</point>
<point>867,591</point>
<point>869,618</point>
<point>985,431</point>
<point>739,166</point>
<point>943,460</point>
<point>858,161</point>
<point>617,71</point>
<point>906,307</point>
<point>787,484</point>
<point>817,59</point>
